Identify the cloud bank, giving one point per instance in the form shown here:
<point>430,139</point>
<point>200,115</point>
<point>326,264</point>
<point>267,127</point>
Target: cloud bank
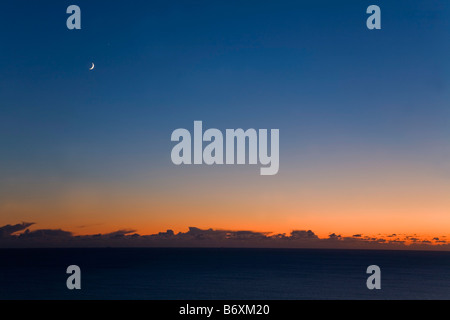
<point>12,237</point>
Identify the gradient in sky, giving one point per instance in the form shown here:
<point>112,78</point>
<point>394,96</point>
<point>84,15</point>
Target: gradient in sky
<point>364,116</point>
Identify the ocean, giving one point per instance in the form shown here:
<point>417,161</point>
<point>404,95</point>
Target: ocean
<point>222,274</point>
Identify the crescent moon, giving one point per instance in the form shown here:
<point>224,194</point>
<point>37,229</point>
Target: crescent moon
<point>93,66</point>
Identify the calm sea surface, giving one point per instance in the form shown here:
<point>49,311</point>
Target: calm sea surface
<point>149,273</point>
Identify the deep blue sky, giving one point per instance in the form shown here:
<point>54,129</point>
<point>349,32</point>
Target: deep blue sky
<point>312,69</point>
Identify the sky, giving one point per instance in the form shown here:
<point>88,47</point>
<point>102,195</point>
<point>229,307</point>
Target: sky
<point>363,115</point>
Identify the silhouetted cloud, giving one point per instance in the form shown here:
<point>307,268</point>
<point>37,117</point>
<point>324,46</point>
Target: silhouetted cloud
<point>118,233</point>
<point>46,234</point>
<point>7,230</point>
<point>334,236</point>
<point>302,234</point>
<point>196,237</point>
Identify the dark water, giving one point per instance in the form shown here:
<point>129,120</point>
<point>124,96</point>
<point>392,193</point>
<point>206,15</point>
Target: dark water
<point>223,274</point>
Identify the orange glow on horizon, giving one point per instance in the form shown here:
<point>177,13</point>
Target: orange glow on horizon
<point>344,202</point>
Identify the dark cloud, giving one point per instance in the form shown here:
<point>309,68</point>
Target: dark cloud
<point>7,230</point>
<point>169,234</point>
<point>302,234</point>
<point>211,234</point>
<point>45,234</point>
<point>396,241</point>
<point>118,233</point>
<point>196,237</point>
<point>334,236</point>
